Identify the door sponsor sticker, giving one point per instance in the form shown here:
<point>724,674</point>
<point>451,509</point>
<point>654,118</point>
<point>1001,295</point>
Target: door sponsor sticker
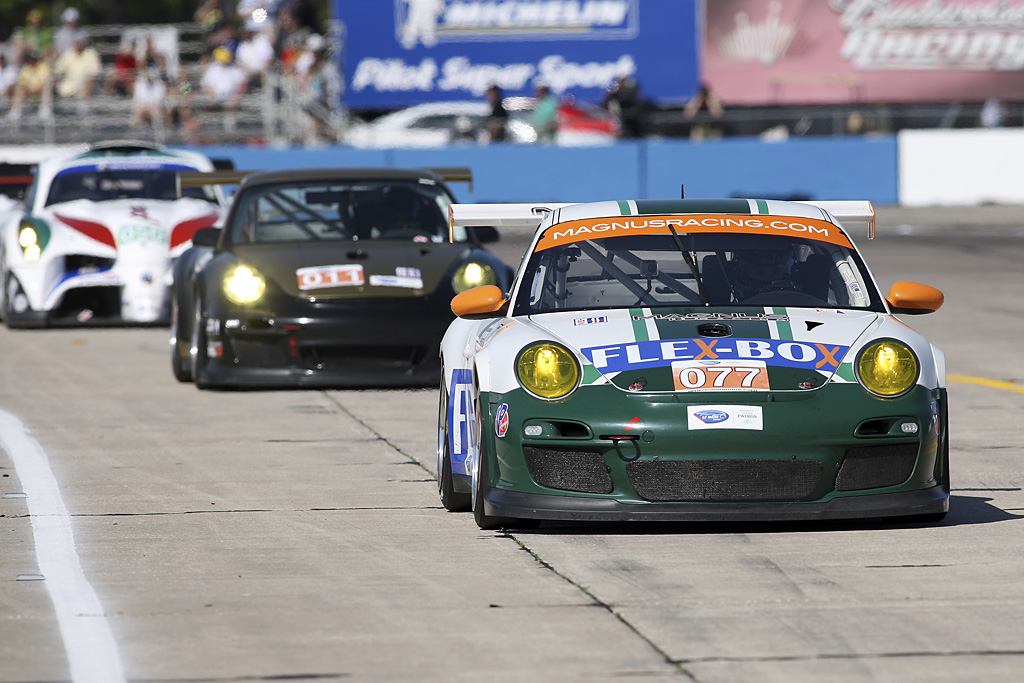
<point>724,417</point>
<point>321,277</point>
<point>665,352</point>
<point>720,375</point>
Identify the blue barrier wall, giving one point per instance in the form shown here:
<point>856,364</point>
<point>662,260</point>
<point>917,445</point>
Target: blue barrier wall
<point>807,168</point>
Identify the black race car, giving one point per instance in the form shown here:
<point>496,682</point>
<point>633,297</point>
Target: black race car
<point>326,277</point>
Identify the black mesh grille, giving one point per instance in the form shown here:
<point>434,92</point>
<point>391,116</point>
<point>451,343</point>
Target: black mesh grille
<point>568,470</point>
<point>724,480</point>
<point>872,467</point>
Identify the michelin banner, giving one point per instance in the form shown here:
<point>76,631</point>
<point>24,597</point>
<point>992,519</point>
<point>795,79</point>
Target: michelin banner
<point>404,52</point>
<point>786,52</point>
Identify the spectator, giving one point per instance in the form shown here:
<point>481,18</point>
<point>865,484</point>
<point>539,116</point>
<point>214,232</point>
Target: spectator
<point>704,109</point>
<point>64,40</point>
<point>77,69</point>
<point>33,38</point>
<point>33,81</point>
<point>497,119</point>
<point>8,77</point>
<point>545,114</point>
<point>148,99</point>
<point>992,113</point>
<point>121,79</point>
<point>255,55</point>
<point>623,102</point>
<point>211,15</point>
<point>223,82</point>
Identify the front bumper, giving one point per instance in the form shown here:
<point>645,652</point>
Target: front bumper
<point>365,342</point>
<point>833,453</point>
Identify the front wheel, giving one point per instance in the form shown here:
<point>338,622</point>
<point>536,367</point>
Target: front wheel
<point>179,366</point>
<point>198,350</point>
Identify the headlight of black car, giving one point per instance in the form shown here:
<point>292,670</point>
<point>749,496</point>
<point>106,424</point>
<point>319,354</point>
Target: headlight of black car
<point>887,368</point>
<point>473,274</point>
<point>244,285</point>
<point>548,370</point>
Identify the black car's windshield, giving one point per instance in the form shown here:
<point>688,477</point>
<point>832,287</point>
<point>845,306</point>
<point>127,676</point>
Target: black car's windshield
<point>314,210</point>
<point>99,184</point>
<point>709,269</point>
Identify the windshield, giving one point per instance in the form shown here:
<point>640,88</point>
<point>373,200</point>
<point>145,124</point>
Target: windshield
<point>308,211</point>
<point>99,184</point>
<point>716,269</point>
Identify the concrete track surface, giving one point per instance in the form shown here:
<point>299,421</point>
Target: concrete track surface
<point>297,535</point>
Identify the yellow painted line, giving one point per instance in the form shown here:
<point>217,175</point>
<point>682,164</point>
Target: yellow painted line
<point>991,383</point>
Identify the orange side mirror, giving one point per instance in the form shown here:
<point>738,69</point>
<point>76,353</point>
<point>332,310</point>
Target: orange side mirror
<point>912,298</point>
<point>478,301</point>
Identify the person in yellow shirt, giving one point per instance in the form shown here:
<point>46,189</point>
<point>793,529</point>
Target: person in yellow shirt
<point>77,70</point>
<point>33,81</point>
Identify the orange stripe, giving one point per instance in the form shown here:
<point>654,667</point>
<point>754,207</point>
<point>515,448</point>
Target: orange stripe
<point>592,228</point>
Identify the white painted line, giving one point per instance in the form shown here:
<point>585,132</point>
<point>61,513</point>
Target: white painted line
<point>88,641</point>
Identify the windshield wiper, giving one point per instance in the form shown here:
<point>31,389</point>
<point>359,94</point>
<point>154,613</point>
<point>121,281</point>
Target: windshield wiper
<point>704,298</point>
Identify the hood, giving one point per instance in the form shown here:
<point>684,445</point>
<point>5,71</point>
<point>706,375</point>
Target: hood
<point>329,270</point>
<point>701,349</point>
<point>131,224</point>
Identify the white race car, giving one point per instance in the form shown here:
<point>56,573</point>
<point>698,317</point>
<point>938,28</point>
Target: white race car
<point>98,235</point>
<point>690,359</point>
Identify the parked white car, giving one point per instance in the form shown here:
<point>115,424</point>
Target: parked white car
<point>98,233</point>
<point>439,124</point>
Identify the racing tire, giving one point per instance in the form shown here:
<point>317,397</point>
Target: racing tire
<point>12,289</point>
<point>452,500</point>
<point>198,349</point>
<point>181,367</point>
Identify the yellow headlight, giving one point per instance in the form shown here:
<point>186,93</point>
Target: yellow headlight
<point>470,275</point>
<point>244,285</point>
<point>887,368</point>
<point>548,370</point>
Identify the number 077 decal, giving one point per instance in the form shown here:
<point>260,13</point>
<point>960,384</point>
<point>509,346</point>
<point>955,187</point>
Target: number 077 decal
<point>731,375</point>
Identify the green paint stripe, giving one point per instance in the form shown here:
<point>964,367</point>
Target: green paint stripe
<point>762,206</point>
<point>624,208</point>
<point>590,374</point>
<point>785,329</point>
<point>639,326</point>
<point>664,206</point>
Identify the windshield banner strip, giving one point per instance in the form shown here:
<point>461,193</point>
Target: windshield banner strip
<point>593,228</point>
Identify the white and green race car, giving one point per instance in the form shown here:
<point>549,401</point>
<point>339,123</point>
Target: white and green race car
<point>98,233</point>
<point>690,359</point>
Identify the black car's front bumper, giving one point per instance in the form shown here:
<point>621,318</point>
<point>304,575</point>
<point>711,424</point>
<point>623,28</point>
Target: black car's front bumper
<point>359,342</point>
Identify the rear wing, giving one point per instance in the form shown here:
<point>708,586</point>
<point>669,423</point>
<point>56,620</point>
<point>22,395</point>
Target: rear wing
<point>14,178</point>
<point>232,176</point>
<point>530,216</point>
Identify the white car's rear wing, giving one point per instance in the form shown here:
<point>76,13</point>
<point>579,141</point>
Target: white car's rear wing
<point>529,216</point>
<point>851,213</point>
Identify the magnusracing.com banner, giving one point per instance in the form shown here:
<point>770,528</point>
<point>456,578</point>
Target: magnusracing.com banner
<point>768,52</point>
<point>405,52</point>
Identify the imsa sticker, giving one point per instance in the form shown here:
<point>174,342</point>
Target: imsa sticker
<point>724,417</point>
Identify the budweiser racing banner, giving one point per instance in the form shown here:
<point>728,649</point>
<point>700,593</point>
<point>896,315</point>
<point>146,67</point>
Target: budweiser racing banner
<point>404,52</point>
<point>766,52</point>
